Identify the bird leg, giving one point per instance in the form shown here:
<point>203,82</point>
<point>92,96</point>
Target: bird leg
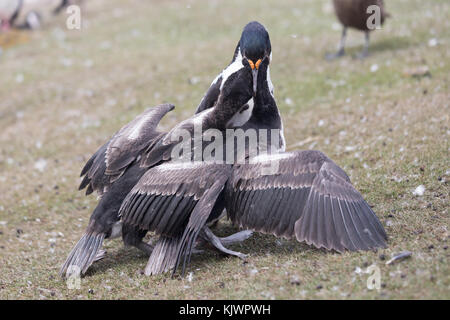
<point>145,247</point>
<point>216,242</point>
<point>365,52</point>
<point>237,237</point>
<point>33,20</point>
<point>132,236</point>
<point>341,49</point>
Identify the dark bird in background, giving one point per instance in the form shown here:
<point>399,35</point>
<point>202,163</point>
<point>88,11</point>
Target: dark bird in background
<point>353,14</point>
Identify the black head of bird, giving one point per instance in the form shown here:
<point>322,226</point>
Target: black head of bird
<point>254,47</point>
<point>251,50</point>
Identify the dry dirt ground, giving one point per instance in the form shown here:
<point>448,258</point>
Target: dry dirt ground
<point>385,120</point>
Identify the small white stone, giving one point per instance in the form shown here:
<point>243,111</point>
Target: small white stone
<point>254,271</point>
<point>40,165</point>
<point>288,101</point>
<point>194,80</point>
<point>374,68</point>
<point>419,191</point>
<point>432,42</point>
<point>111,102</point>
<point>19,78</point>
<point>350,148</point>
<point>136,33</point>
<point>67,62</point>
<point>105,45</point>
<point>88,63</point>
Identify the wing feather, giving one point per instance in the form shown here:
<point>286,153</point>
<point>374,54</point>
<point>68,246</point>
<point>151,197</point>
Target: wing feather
<point>308,197</point>
<point>112,159</point>
<point>163,199</point>
<point>198,218</point>
<point>275,203</point>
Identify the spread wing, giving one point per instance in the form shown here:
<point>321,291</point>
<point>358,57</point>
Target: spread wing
<point>175,199</point>
<point>306,195</point>
<point>163,199</point>
<point>115,156</point>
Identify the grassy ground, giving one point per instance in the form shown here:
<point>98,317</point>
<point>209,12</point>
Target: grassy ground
<point>63,93</point>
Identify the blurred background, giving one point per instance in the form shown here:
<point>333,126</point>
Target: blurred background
<point>384,119</point>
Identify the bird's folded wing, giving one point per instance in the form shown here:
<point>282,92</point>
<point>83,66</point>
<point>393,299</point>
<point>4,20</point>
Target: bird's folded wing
<point>163,199</point>
<point>306,195</point>
<point>125,146</point>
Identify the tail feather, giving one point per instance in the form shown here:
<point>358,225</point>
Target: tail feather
<point>83,254</point>
<point>184,252</point>
<point>164,255</point>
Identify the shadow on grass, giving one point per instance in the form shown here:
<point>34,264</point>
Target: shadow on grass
<point>391,44</point>
<point>257,246</point>
<point>115,258</point>
<point>387,44</point>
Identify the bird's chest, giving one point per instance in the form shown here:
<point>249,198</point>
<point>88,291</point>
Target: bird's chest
<point>242,115</point>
